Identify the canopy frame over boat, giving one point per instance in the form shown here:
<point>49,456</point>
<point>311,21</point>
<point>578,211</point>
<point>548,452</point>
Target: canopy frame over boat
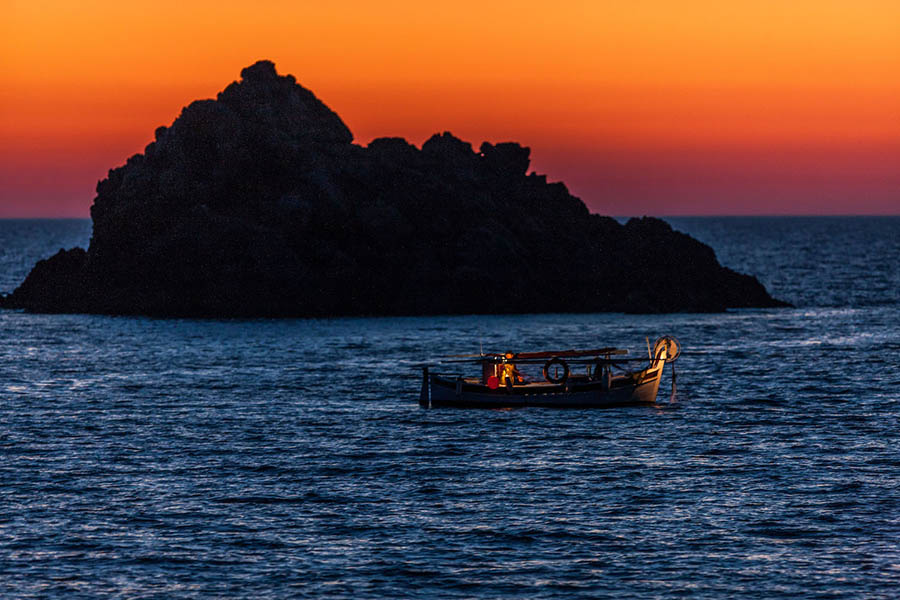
<point>608,379</point>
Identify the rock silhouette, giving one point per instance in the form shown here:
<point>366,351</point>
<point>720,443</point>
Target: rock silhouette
<point>259,204</point>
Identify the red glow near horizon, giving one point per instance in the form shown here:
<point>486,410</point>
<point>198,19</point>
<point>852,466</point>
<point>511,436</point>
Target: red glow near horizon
<point>652,107</point>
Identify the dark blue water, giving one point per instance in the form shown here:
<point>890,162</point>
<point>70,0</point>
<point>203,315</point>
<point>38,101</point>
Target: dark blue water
<point>144,458</point>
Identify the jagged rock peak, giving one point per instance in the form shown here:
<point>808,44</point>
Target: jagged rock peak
<point>447,144</point>
<point>261,70</point>
<point>264,96</point>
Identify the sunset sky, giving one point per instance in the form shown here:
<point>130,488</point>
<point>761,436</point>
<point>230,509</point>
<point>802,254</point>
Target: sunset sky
<point>640,106</point>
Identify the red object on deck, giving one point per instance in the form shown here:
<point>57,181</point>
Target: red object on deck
<point>493,382</point>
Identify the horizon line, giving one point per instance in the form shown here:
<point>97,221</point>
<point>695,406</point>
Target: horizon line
<point>625,216</point>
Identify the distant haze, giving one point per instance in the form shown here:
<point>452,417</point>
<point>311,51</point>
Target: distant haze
<point>649,107</point>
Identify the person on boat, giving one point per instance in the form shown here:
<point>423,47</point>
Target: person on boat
<point>509,372</point>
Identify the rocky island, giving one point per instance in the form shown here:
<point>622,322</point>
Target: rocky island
<point>258,203</point>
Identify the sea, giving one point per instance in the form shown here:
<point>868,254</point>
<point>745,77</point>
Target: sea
<point>173,458</point>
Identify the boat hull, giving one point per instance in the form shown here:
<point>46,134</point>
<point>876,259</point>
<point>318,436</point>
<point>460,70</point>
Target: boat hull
<point>443,391</point>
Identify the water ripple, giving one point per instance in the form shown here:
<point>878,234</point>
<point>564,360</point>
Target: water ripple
<point>271,459</point>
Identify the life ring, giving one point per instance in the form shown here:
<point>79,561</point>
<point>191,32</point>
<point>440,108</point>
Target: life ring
<point>673,347</point>
<point>554,378</point>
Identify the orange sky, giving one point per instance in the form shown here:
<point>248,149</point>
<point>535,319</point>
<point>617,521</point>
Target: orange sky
<point>641,107</point>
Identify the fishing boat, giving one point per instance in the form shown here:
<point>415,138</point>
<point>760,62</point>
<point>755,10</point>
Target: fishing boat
<point>596,378</point>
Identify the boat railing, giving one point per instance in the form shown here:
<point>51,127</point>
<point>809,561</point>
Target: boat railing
<point>599,362</point>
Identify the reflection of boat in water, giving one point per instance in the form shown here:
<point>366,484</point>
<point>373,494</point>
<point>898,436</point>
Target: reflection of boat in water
<point>571,378</point>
